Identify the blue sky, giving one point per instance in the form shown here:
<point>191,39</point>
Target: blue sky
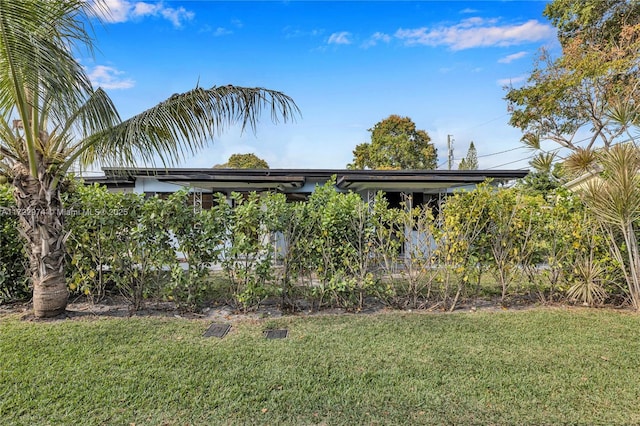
<point>347,65</point>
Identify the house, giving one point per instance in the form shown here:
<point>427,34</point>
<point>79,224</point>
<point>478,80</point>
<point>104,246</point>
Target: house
<point>419,186</point>
<point>415,187</point>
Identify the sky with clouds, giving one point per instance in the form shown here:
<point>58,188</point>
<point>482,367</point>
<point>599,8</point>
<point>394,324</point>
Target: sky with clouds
<point>347,65</point>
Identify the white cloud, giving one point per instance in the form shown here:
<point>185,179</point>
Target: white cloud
<point>177,16</point>
<point>512,80</point>
<point>143,9</point>
<point>375,38</point>
<point>343,37</point>
<point>477,32</point>
<point>510,58</point>
<point>477,21</point>
<point>125,10</point>
<point>292,32</point>
<point>113,10</point>
<point>221,31</point>
<point>109,78</point>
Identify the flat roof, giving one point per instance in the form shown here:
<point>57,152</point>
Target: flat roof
<point>291,179</point>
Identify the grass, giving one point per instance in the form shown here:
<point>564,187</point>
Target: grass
<point>543,366</point>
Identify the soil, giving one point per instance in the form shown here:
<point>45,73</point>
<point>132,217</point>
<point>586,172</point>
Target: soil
<point>118,307</point>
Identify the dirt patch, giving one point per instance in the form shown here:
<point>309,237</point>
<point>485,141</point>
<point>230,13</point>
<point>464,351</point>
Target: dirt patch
<point>116,307</point>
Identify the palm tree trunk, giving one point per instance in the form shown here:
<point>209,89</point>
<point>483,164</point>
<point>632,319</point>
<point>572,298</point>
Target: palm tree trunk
<point>42,226</point>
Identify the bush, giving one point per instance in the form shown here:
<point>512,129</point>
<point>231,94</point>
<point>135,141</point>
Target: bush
<point>248,253</point>
<point>119,240</point>
<point>13,260</point>
<point>198,236</point>
<point>334,250</point>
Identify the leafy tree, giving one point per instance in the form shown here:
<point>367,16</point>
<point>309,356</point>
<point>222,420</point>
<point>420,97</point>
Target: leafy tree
<point>545,177</point>
<point>470,162</point>
<point>51,117</point>
<point>95,221</point>
<point>395,144</point>
<point>592,87</point>
<point>243,161</point>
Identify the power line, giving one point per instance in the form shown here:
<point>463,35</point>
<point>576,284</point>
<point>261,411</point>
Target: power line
<point>554,151</point>
<point>448,161</point>
<point>486,122</point>
<point>510,162</point>
<point>501,152</point>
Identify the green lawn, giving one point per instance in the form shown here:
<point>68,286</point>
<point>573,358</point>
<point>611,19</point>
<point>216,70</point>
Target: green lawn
<point>543,366</point>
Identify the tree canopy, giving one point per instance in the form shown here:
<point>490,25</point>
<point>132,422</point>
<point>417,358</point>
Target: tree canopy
<point>243,161</point>
<point>592,88</point>
<point>591,19</point>
<point>470,162</point>
<point>395,144</point>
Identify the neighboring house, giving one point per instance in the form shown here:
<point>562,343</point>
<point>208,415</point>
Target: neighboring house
<point>419,186</point>
<point>583,180</point>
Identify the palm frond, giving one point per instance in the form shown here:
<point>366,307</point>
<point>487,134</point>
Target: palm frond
<point>185,123</point>
<point>615,196</point>
<point>531,141</point>
<point>624,114</point>
<point>97,115</point>
<point>543,162</point>
<point>36,63</point>
<point>581,161</point>
<point>9,147</point>
<point>35,39</point>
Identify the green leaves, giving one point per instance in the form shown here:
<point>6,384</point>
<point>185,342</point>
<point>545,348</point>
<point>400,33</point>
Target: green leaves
<point>334,250</point>
<point>247,252</point>
<point>395,144</point>
<point>51,118</point>
<point>243,161</point>
<point>470,162</point>
<point>13,261</point>
<point>591,88</point>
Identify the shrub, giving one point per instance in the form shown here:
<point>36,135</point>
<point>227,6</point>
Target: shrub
<point>117,239</point>
<point>198,237</point>
<point>247,256</point>
<point>13,261</point>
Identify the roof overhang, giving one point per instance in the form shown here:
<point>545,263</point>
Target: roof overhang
<point>584,178</point>
<point>419,181</point>
<point>289,180</point>
<point>236,183</point>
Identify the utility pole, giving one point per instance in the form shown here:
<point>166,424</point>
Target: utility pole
<point>450,148</point>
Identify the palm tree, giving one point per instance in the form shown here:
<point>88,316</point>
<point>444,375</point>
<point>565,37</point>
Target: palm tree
<point>51,118</point>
